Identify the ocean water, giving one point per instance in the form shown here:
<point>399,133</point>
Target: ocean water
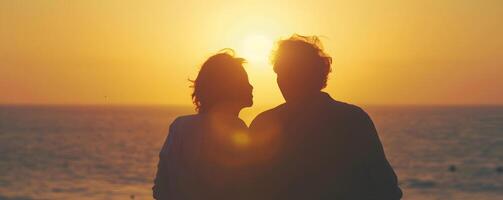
<point>84,152</point>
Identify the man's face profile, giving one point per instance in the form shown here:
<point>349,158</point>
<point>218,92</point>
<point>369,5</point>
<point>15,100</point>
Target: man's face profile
<point>294,77</point>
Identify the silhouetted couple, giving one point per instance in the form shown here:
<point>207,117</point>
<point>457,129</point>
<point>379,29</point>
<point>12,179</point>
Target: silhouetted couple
<point>310,147</point>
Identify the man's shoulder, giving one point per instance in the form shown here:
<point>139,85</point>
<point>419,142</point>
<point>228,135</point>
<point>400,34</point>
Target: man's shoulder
<point>347,108</point>
<point>268,115</point>
<point>273,111</point>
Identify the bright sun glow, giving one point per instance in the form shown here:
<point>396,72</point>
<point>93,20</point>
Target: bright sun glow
<point>257,48</point>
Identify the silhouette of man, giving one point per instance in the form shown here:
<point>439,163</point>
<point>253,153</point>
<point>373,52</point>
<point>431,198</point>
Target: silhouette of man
<point>312,146</point>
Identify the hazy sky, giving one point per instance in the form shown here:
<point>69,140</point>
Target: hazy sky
<point>143,52</point>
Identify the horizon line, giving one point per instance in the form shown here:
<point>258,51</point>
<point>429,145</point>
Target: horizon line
<point>259,106</point>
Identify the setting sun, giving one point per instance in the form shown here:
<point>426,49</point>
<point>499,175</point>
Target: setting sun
<point>256,48</point>
<point>184,99</point>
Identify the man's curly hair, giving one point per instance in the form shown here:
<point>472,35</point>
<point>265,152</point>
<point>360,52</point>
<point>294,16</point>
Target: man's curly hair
<point>308,51</point>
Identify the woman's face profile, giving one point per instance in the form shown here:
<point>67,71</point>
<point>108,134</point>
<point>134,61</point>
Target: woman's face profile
<point>243,89</point>
<point>222,82</point>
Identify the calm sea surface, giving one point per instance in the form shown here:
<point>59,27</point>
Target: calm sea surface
<point>58,152</point>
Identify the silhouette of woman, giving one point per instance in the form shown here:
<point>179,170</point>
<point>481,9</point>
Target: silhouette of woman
<point>204,154</point>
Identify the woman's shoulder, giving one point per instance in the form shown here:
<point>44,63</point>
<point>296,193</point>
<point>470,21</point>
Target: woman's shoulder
<point>177,131</point>
<point>188,122</point>
<point>185,120</point>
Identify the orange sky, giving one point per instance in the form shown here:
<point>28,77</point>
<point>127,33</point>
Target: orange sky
<point>143,52</point>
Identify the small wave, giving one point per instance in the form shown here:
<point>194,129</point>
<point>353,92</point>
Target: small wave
<point>77,189</point>
<point>15,198</point>
<point>417,183</point>
<point>479,187</point>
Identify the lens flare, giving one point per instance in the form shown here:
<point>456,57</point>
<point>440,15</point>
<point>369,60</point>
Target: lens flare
<point>241,138</point>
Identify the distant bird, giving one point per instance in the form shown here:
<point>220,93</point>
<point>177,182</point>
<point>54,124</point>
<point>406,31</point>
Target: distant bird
<point>452,168</point>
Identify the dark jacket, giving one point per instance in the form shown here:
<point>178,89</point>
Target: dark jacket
<point>322,149</point>
<point>199,160</point>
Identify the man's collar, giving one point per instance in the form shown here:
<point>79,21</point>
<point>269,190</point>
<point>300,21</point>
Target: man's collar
<point>313,99</point>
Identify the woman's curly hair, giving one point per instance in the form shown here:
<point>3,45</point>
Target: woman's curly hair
<point>214,79</point>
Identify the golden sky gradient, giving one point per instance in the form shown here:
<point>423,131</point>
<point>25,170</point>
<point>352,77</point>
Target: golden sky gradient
<point>143,52</point>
